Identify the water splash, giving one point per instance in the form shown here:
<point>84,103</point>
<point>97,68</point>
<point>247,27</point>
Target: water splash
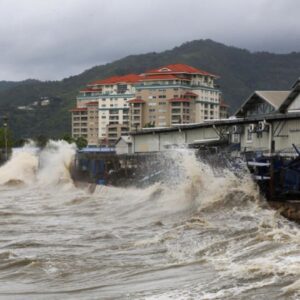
<point>204,235</point>
<point>30,165</point>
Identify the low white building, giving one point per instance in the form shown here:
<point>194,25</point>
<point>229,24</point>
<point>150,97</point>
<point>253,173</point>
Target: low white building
<point>268,121</point>
<point>124,145</point>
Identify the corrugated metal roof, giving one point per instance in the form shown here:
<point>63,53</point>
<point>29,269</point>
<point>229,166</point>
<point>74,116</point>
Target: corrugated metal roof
<point>221,122</point>
<point>275,98</point>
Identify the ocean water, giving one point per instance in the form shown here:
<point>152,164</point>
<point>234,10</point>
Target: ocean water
<point>194,235</point>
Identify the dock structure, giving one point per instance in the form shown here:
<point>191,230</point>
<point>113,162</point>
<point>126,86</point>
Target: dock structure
<point>103,166</point>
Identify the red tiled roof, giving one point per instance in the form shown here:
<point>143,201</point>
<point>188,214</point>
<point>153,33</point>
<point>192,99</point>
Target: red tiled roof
<point>91,90</point>
<point>179,100</point>
<point>136,101</point>
<point>179,68</point>
<point>190,94</point>
<point>222,103</point>
<point>161,77</point>
<point>78,109</point>
<point>92,103</point>
<point>130,78</point>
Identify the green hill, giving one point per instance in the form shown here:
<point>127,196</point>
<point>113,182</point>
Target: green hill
<point>240,73</point>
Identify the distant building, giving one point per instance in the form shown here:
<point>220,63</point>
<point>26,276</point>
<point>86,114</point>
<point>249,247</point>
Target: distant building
<point>223,109</point>
<point>170,95</point>
<point>262,103</point>
<point>45,102</point>
<point>79,122</point>
<point>110,108</point>
<point>85,122</point>
<point>174,94</point>
<point>267,122</point>
<point>124,145</point>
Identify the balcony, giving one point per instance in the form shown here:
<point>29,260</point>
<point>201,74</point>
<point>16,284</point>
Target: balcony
<point>162,84</point>
<point>136,112</point>
<point>112,130</point>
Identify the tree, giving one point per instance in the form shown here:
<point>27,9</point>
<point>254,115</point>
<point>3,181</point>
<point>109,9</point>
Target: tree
<point>68,138</point>
<point>6,143</point>
<point>20,142</point>
<point>41,141</point>
<point>81,142</point>
<point>5,138</point>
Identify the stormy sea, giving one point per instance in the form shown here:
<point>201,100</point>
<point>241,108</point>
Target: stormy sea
<point>194,235</point>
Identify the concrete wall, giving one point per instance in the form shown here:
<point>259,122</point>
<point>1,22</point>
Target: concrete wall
<point>172,138</point>
<point>200,134</point>
<point>295,105</point>
<point>164,140</point>
<point>260,141</point>
<point>123,148</point>
<point>285,133</point>
<point>146,143</point>
<point>290,134</point>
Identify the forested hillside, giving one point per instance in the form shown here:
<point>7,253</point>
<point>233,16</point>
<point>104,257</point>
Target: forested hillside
<point>240,73</point>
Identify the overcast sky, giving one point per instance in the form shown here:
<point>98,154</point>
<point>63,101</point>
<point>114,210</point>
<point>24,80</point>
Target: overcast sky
<point>53,39</point>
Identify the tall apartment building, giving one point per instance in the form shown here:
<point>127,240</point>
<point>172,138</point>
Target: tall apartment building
<point>223,109</point>
<point>85,122</point>
<point>102,112</point>
<point>174,94</point>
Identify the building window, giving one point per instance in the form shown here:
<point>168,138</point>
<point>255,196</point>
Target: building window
<point>121,88</point>
<point>249,136</point>
<point>235,138</point>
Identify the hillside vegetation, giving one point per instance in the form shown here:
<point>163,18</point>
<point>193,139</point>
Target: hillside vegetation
<point>240,73</point>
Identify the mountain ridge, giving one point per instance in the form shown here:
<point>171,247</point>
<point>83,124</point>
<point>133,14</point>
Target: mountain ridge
<point>240,71</point>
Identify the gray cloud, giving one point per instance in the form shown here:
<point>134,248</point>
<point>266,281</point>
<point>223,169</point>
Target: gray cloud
<point>54,39</point>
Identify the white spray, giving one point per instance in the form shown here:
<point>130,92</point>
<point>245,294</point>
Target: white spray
<point>30,165</point>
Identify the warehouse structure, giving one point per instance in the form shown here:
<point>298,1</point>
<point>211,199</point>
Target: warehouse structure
<point>268,121</point>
